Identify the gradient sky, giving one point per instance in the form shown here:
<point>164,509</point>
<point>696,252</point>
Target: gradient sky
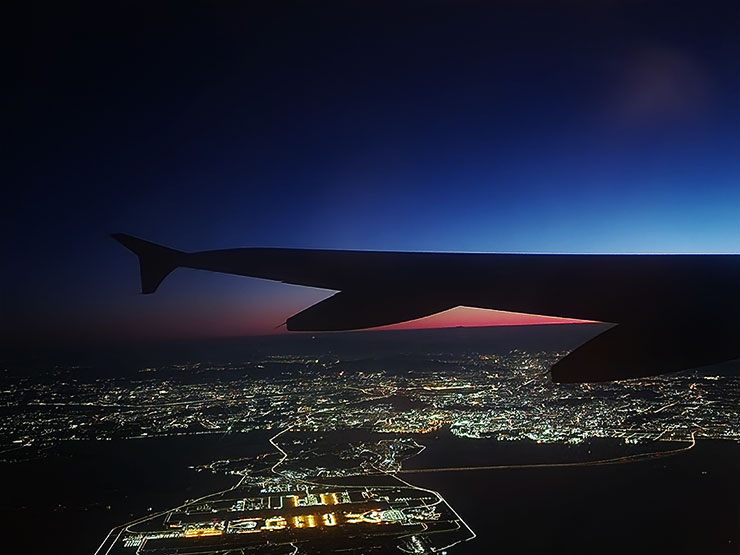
<point>456,126</point>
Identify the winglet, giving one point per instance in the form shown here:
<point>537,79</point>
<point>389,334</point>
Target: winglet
<point>155,261</point>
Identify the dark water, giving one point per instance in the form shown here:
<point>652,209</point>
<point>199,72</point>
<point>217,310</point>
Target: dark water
<point>76,496</point>
<point>689,503</point>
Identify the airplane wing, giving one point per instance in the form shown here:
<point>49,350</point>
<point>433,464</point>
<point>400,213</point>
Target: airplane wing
<point>673,311</point>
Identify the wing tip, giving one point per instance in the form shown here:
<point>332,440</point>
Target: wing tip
<point>155,261</point>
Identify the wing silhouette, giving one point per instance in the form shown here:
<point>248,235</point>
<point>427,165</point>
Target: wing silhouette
<point>672,312</point>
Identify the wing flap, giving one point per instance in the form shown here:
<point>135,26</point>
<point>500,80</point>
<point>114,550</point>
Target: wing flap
<point>359,310</point>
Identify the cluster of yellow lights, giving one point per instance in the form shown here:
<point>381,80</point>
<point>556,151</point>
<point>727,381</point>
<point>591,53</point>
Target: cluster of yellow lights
<point>329,499</point>
<point>325,498</point>
<point>198,532</point>
<point>353,518</point>
<point>370,516</point>
<point>299,521</point>
<point>275,523</point>
<point>304,521</point>
<point>310,521</point>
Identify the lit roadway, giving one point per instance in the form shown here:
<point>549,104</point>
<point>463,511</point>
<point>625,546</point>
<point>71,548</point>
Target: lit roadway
<point>615,460</point>
<point>391,474</point>
<point>113,538</point>
<point>115,534</point>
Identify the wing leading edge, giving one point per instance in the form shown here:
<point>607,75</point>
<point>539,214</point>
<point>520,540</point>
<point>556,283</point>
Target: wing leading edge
<point>673,311</point>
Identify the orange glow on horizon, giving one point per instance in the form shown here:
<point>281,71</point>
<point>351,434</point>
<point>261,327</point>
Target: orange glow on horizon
<point>215,321</point>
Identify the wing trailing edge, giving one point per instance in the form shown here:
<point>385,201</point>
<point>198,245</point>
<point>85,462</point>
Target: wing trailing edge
<point>366,309</point>
<point>674,311</point>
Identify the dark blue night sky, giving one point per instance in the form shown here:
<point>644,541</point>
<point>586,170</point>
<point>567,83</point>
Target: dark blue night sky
<point>501,127</point>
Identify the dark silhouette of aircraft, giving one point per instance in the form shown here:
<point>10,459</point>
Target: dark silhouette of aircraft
<point>673,312</point>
